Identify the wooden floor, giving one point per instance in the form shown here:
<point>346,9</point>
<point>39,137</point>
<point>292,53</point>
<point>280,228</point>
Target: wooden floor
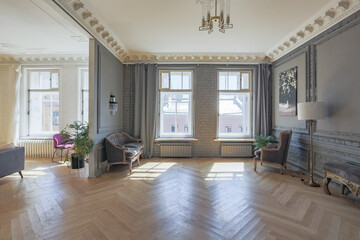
<point>171,199</point>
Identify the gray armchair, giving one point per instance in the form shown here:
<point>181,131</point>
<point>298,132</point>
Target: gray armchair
<point>277,155</point>
<point>123,149</point>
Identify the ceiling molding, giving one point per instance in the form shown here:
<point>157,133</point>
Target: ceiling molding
<point>333,14</point>
<point>41,59</point>
<point>326,18</point>
<point>85,16</point>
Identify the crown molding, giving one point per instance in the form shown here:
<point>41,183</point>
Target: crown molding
<point>91,22</point>
<point>41,59</point>
<point>335,12</point>
<point>330,15</point>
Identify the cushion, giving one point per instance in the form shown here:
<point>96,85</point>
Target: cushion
<point>6,147</point>
<point>134,145</point>
<point>131,152</point>
<point>349,171</point>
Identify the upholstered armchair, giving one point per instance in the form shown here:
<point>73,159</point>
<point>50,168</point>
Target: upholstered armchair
<point>123,149</point>
<point>275,154</point>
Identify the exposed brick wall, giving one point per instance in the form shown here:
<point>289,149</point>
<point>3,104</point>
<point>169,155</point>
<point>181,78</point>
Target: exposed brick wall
<point>129,98</point>
<point>205,97</point>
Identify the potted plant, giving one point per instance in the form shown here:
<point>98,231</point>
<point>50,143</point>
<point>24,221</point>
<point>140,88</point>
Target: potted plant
<point>262,141</point>
<point>78,134</point>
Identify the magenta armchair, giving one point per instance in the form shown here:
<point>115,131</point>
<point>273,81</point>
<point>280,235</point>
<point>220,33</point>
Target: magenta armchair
<point>61,142</point>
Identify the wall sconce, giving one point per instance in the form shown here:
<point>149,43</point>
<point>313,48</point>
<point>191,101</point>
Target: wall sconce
<point>113,105</point>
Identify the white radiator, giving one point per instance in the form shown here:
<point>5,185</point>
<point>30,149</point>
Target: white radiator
<point>175,150</point>
<point>37,148</point>
<point>236,150</point>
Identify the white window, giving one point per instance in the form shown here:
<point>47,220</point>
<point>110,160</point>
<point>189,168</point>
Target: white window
<point>43,102</point>
<point>175,103</point>
<point>235,104</point>
<point>84,82</point>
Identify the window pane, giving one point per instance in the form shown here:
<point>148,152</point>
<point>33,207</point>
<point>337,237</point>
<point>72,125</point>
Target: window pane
<point>44,113</point>
<point>175,80</point>
<point>85,106</point>
<point>54,80</point>
<point>186,80</point>
<point>245,81</point>
<point>234,114</point>
<point>234,81</point>
<point>222,80</point>
<point>44,80</point>
<point>165,80</point>
<point>34,80</point>
<point>175,114</point>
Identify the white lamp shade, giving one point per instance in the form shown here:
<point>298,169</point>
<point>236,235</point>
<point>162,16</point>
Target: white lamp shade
<point>311,110</point>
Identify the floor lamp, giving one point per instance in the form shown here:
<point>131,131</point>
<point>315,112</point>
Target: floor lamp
<point>311,111</point>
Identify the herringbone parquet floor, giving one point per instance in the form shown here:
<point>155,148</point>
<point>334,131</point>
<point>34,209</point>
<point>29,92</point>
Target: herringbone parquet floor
<point>171,199</point>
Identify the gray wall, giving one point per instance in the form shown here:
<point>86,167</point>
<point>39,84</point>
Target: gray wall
<point>106,77</point>
<point>328,71</point>
<point>205,104</point>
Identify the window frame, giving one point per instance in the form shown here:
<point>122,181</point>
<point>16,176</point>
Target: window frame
<point>192,104</point>
<point>50,90</point>
<point>249,90</point>
<point>82,91</point>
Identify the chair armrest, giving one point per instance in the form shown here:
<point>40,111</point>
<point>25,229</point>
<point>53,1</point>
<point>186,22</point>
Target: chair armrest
<point>115,153</point>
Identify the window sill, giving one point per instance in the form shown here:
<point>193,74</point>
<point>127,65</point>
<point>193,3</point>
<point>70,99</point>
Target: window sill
<point>176,139</point>
<point>36,138</point>
<point>234,140</point>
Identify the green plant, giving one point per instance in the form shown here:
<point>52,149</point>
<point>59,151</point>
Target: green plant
<point>78,134</point>
<point>262,141</point>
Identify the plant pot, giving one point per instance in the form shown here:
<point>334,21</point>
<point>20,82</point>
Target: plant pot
<point>76,162</point>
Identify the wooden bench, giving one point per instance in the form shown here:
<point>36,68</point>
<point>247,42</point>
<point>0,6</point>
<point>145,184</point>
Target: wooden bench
<point>348,174</point>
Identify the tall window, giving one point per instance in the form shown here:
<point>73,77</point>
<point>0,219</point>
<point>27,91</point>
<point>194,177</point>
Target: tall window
<point>84,78</point>
<point>43,102</point>
<point>235,104</point>
<point>175,110</point>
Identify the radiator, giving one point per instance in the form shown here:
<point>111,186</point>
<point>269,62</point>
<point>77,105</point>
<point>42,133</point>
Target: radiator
<point>37,148</point>
<point>236,150</point>
<point>175,150</point>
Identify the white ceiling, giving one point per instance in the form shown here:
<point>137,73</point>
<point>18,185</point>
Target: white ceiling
<point>171,26</point>
<point>31,27</point>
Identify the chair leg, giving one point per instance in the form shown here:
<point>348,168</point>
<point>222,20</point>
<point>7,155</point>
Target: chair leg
<point>108,168</point>
<point>255,164</point>
<point>61,155</point>
<point>282,170</point>
<point>21,174</point>
<point>138,160</point>
<point>53,155</point>
<point>130,167</point>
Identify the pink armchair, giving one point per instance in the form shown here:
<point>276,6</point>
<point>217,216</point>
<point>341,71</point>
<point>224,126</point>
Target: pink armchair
<point>61,142</point>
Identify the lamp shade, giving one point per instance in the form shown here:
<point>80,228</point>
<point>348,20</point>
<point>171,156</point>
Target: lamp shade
<point>311,110</point>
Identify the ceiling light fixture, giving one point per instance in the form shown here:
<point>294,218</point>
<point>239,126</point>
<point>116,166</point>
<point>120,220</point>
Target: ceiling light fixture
<point>208,21</point>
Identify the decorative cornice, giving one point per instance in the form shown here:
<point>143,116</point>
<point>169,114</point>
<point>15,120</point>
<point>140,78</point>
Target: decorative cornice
<point>40,59</point>
<point>326,18</point>
<point>86,17</point>
<point>335,12</point>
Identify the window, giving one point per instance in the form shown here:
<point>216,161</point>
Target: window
<point>235,104</point>
<point>175,103</point>
<point>84,81</point>
<point>43,102</point>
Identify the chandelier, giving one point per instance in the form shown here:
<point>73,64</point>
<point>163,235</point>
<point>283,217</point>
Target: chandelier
<point>208,21</point>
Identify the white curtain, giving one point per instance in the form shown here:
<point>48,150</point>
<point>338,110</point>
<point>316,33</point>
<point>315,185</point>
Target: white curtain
<point>145,105</point>
<point>9,103</point>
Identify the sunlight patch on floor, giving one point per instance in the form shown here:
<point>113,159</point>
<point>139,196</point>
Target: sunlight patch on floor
<point>150,170</point>
<point>226,171</point>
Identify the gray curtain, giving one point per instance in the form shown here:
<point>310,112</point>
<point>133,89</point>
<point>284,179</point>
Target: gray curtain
<point>145,105</point>
<point>262,91</point>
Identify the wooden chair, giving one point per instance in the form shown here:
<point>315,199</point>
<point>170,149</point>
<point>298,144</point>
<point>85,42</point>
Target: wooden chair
<point>277,155</point>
